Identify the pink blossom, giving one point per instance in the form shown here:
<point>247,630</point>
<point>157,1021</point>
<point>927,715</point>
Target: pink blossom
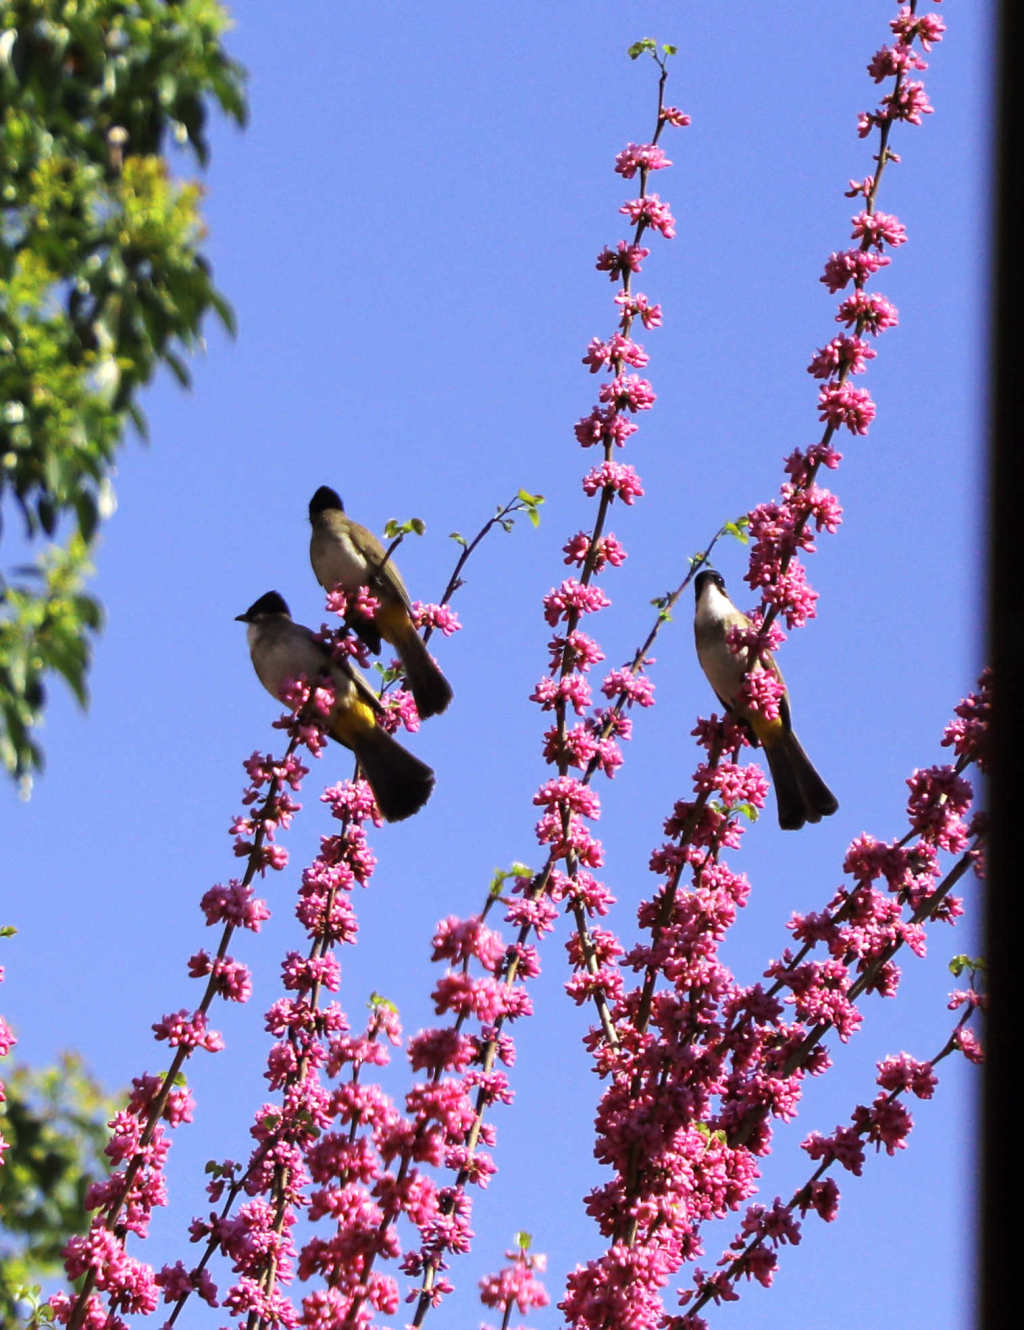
<point>575,651</point>
<point>902,1072</point>
<point>841,404</point>
<point>633,305</point>
<point>908,102</point>
<point>640,157</point>
<point>597,356</point>
<point>573,690</point>
<point>607,425</point>
<point>624,349</point>
<point>869,312</point>
<point>886,1122</point>
<point>787,592</point>
<point>939,798</point>
<point>458,940</point>
<point>764,692</point>
<point>968,1043</point>
<point>231,978</point>
<point>927,28</point>
<point>852,265</point>
<point>673,116</point>
<point>607,550</point>
<point>571,795</point>
<point>650,210</point>
<point>968,734</point>
<point>571,599</point>
<point>821,1196</point>
<point>488,999</point>
<point>626,259</point>
<point>189,1032</point>
<point>441,617</point>
<point>845,1147</point>
<point>516,1283</point>
<point>614,476</point>
<point>741,784</point>
<point>864,187</point>
<point>816,505</point>
<point>876,229</point>
<point>234,904</point>
<point>571,837</point>
<point>888,61</point>
<point>842,353</point>
<point>800,466</point>
<point>628,392</point>
<point>634,687</point>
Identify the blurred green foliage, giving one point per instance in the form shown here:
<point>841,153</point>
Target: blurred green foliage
<point>101,282</point>
<point>55,1121</point>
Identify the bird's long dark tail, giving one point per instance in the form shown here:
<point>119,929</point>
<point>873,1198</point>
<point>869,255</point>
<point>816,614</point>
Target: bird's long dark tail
<point>401,783</point>
<point>430,689</point>
<point>800,793</point>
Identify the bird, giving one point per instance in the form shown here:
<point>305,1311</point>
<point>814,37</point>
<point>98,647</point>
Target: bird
<point>800,793</point>
<point>282,649</point>
<point>344,553</point>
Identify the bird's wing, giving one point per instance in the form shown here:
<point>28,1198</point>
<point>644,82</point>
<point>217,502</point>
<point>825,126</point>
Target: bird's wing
<point>384,575</point>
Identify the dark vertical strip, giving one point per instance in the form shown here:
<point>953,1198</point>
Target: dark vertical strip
<point>999,1253</point>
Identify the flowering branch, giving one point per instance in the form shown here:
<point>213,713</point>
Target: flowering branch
<point>753,1252</point>
<point>678,1160</point>
<point>125,1199</point>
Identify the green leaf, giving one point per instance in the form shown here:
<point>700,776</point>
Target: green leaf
<point>501,875</point>
<point>737,530</point>
<point>177,367</point>
<point>638,48</point>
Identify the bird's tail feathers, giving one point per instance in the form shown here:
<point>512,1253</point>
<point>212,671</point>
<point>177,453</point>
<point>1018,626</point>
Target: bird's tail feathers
<point>800,793</point>
<point>430,689</point>
<point>401,783</point>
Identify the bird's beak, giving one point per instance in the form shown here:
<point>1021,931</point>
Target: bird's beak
<point>241,618</point>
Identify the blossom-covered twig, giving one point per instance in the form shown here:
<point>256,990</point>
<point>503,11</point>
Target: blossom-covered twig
<point>753,1253</point>
<point>693,1074</point>
<point>125,1199</point>
<point>311,1134</point>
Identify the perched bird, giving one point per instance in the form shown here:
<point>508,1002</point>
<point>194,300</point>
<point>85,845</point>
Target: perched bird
<point>282,650</point>
<point>802,796</point>
<point>342,551</point>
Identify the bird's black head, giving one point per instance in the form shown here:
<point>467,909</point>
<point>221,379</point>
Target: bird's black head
<point>324,500</point>
<point>705,576</point>
<point>271,603</point>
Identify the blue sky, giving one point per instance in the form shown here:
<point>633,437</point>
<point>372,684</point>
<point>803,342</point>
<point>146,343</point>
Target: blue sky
<point>407,232</point>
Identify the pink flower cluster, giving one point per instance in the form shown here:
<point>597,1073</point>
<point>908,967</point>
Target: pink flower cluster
<point>780,528</point>
<point>764,1230</point>
<point>702,1065</point>
<point>515,1285</point>
<point>699,1065</point>
<point>114,1282</point>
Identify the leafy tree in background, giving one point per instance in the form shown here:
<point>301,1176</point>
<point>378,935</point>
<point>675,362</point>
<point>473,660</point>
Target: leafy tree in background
<point>54,1121</point>
<point>101,282</point>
